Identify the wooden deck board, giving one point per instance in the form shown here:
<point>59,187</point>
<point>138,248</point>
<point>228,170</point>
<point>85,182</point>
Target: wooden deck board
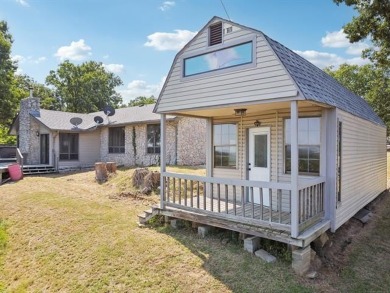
<point>212,206</point>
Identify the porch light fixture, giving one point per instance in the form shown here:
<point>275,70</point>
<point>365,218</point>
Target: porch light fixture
<point>240,112</point>
<point>37,133</point>
<point>257,123</point>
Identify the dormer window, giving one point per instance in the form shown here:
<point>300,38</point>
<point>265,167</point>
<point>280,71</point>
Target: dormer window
<point>215,34</point>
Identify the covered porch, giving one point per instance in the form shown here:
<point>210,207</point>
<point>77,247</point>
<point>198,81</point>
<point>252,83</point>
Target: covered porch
<point>284,206</point>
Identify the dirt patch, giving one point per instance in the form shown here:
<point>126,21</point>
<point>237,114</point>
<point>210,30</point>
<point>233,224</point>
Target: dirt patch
<point>335,254</point>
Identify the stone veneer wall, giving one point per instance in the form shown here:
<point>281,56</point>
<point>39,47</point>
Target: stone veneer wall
<point>191,141</point>
<point>140,157</point>
<point>29,143</point>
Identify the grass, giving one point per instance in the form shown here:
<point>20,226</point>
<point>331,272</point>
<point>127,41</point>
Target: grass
<point>68,233</point>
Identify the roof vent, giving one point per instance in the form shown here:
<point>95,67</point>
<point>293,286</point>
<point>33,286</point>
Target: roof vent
<point>215,34</point>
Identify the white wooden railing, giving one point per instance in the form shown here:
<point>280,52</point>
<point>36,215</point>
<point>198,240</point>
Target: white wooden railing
<point>265,204</point>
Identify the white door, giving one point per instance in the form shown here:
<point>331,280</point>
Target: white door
<point>260,160</point>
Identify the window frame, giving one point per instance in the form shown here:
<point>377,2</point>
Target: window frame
<point>155,146</point>
<point>117,149</point>
<point>68,153</point>
<point>301,173</point>
<point>216,48</point>
<point>225,145</point>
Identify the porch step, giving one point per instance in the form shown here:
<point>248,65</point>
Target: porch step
<point>38,169</point>
<point>146,215</point>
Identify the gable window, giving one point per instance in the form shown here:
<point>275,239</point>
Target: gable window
<point>228,57</point>
<point>215,34</point>
<point>153,143</point>
<point>116,140</point>
<point>225,145</point>
<point>69,146</point>
<point>308,145</point>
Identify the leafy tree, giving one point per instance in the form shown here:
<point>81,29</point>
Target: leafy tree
<point>48,100</point>
<point>370,82</point>
<point>373,21</point>
<point>84,88</point>
<point>140,101</point>
<point>8,101</point>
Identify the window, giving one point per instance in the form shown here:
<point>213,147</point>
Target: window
<point>153,143</point>
<point>225,145</point>
<point>215,34</point>
<point>308,145</point>
<point>69,146</point>
<point>224,58</point>
<point>116,140</point>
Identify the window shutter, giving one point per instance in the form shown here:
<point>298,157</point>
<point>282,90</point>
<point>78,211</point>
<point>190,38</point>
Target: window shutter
<point>215,34</point>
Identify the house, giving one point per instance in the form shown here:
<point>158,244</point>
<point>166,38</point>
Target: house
<point>291,153</point>
<point>130,137</point>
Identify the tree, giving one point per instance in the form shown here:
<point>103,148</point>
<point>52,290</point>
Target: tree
<point>373,21</point>
<point>370,82</point>
<point>8,100</point>
<point>84,88</point>
<point>140,101</point>
<point>47,97</point>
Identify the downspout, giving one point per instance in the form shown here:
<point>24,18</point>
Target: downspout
<point>177,137</point>
<point>277,147</point>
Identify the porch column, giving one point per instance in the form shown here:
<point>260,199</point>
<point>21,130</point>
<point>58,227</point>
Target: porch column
<point>294,170</point>
<point>163,155</point>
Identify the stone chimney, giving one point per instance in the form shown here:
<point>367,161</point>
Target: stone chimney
<point>29,140</point>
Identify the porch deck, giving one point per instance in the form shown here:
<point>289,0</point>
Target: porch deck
<point>252,207</point>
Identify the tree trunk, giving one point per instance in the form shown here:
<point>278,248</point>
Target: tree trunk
<point>101,172</point>
<point>111,167</point>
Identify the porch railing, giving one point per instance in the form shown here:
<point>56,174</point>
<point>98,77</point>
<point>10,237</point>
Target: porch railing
<point>265,204</point>
<point>19,157</point>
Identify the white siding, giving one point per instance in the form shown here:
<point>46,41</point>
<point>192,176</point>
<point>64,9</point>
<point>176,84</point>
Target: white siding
<point>363,165</point>
<point>267,79</point>
<point>274,120</point>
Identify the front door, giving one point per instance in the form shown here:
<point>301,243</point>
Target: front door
<point>44,149</point>
<point>260,160</point>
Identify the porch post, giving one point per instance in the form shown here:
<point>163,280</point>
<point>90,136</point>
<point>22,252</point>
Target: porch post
<point>209,154</point>
<point>163,147</point>
<point>294,170</point>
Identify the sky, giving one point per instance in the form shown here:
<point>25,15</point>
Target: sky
<point>138,39</point>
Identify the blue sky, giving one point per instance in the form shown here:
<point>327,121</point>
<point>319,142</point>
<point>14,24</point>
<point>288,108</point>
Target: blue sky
<point>138,39</point>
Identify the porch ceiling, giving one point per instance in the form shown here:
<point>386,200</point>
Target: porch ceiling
<point>228,110</point>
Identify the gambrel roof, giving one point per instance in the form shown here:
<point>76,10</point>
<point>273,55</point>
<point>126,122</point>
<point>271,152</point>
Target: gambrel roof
<point>316,85</point>
<point>312,83</point>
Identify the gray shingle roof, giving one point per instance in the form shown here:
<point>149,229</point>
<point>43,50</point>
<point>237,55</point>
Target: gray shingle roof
<point>57,120</point>
<point>318,86</point>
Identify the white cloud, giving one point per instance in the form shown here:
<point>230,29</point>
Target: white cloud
<point>114,68</point>
<point>324,59</point>
<point>39,60</point>
<point>335,40</point>
<point>18,58</point>
<point>23,3</point>
<point>357,48</point>
<point>137,88</point>
<point>21,59</point>
<point>75,51</point>
<point>169,41</point>
<point>339,39</point>
<point>106,56</point>
<point>167,5</point>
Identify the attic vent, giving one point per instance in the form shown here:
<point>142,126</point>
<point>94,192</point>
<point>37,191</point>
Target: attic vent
<point>229,29</point>
<point>215,34</point>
